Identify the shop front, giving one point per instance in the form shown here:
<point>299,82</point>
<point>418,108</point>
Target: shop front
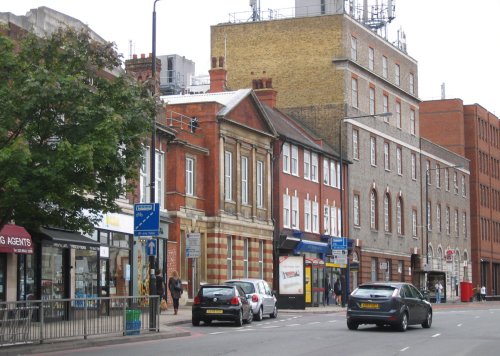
<point>16,264</point>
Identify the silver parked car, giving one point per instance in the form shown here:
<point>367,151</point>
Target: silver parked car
<point>261,297</point>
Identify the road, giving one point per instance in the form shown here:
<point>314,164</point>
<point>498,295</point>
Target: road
<point>454,332</point>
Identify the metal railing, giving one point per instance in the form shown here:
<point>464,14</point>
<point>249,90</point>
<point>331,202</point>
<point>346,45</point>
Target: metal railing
<point>40,320</point>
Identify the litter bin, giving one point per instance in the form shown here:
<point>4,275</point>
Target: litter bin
<point>133,322</point>
<point>466,292</point>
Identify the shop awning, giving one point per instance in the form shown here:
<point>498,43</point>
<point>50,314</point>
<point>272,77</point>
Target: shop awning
<point>312,246</point>
<point>69,239</point>
<point>288,242</point>
<point>15,239</point>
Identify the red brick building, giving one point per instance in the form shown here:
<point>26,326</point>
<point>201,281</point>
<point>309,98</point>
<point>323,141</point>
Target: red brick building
<point>218,184</point>
<point>474,132</point>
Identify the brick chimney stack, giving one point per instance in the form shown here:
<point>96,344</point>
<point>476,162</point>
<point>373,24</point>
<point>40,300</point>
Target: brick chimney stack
<point>140,69</point>
<point>264,90</point>
<point>218,75</point>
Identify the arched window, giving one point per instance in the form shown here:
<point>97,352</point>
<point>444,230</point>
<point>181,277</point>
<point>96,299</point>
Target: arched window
<point>387,213</point>
<point>440,258</point>
<point>373,209</point>
<point>400,216</point>
<point>430,257</point>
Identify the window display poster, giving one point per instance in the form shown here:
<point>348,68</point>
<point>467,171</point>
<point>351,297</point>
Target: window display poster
<point>291,275</point>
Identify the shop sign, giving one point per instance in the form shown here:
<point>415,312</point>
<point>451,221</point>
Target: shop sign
<point>75,246</point>
<point>15,239</point>
<point>193,245</point>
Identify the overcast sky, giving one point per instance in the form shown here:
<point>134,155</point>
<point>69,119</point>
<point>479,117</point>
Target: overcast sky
<point>456,42</point>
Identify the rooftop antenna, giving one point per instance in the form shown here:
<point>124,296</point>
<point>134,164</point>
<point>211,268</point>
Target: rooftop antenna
<point>255,5</point>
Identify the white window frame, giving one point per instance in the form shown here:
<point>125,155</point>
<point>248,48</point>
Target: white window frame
<point>387,211</point>
<point>260,184</point>
<point>413,166</point>
<point>372,100</point>
<point>354,48</point>
<point>464,191</point>
<point>438,217</point>
<point>326,219</point>
<point>333,174</point>
<point>307,165</point>
<point>399,122</point>
<point>373,210</point>
<point>286,157</point>
<point>338,175</point>
<point>326,172</point>
<point>295,213</point>
<point>464,224</point>
<point>385,106</point>
<point>455,182</point>
<point>438,176</point>
<point>307,215</point>
<point>295,161</point>
<point>333,221</point>
<point>457,232</point>
<point>286,211</point>
<point>244,180</point>
<point>371,58</point>
<point>189,176</point>
<point>315,217</point>
<point>354,92</point>
<point>228,176</point>
<point>446,180</point>
<point>373,151</point>
<point>159,177</point>
<point>314,167</point>
<point>412,83</point>
<point>447,220</point>
<point>245,258</point>
<point>387,161</point>
<point>399,216</point>
<point>397,74</point>
<point>412,123</point>
<point>355,144</point>
<point>261,259</point>
<point>384,67</point>
<point>399,160</point>
<point>355,207</point>
<point>414,222</point>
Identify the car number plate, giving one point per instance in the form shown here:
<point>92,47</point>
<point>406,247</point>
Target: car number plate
<point>369,306</point>
<point>214,311</point>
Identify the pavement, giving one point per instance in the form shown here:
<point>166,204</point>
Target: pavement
<point>171,327</point>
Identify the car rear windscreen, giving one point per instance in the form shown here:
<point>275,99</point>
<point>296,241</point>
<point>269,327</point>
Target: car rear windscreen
<point>374,291</point>
<point>216,291</point>
<point>247,287</point>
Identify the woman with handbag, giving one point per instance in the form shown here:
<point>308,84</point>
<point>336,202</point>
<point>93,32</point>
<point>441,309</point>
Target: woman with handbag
<point>175,288</point>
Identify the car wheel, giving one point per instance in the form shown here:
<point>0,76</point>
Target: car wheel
<point>428,321</point>
<point>403,324</point>
<point>274,314</point>
<point>250,317</point>
<point>351,325</point>
<point>259,315</point>
<point>239,320</point>
<point>196,322</point>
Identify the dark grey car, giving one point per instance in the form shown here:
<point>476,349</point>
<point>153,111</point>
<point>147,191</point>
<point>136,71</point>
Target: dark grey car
<point>388,303</point>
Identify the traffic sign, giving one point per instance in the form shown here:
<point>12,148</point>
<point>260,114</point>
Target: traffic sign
<point>193,245</point>
<point>151,247</point>
<point>147,219</point>
<point>340,258</point>
<point>339,243</point>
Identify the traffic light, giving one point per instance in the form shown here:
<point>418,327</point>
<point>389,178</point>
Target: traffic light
<point>193,124</point>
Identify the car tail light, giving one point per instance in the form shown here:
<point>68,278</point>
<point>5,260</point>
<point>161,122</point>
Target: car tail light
<point>255,298</point>
<point>197,300</point>
<point>235,301</point>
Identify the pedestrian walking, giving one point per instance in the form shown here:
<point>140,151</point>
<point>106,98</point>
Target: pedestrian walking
<point>483,293</point>
<point>438,287</point>
<point>328,292</point>
<point>337,289</point>
<point>160,290</point>
<point>175,288</point>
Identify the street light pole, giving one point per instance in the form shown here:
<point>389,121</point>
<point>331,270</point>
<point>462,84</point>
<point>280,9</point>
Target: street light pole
<point>152,173</point>
<point>345,291</point>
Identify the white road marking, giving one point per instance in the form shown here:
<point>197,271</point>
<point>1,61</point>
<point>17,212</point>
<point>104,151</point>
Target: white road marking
<point>459,325</point>
<point>332,321</point>
<point>406,348</point>
<point>293,325</point>
<point>313,322</point>
<point>245,329</point>
<point>270,326</point>
<point>436,335</point>
<point>218,332</point>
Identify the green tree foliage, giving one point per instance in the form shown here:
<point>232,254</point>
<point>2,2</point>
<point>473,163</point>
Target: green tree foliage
<point>70,132</point>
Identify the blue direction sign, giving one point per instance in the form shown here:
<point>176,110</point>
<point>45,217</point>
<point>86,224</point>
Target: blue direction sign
<point>151,247</point>
<point>339,243</point>
<point>147,219</point>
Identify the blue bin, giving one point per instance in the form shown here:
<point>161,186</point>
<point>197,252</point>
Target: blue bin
<point>133,327</point>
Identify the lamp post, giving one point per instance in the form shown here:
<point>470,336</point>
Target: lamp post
<point>427,211</point>
<point>345,291</point>
<point>152,173</point>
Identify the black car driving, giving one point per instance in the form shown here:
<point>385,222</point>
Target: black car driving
<point>397,304</point>
<point>222,302</point>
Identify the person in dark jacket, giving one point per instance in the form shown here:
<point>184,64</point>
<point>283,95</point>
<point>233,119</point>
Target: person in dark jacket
<point>337,289</point>
<point>159,286</point>
<point>175,288</point>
